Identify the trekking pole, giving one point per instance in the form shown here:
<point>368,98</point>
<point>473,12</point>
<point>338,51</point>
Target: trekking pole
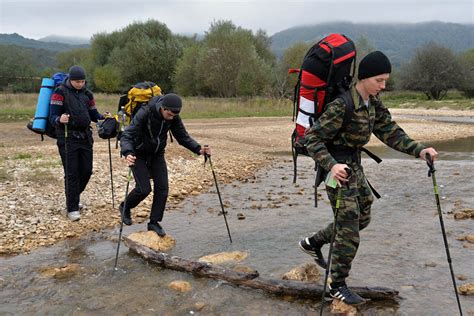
<point>206,157</point>
<point>431,173</point>
<point>333,237</point>
<point>66,182</point>
<point>111,176</point>
<point>129,176</point>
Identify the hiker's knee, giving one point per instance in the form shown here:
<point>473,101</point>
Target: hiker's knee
<point>143,191</point>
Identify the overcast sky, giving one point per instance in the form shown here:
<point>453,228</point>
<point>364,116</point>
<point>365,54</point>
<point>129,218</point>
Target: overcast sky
<point>36,19</point>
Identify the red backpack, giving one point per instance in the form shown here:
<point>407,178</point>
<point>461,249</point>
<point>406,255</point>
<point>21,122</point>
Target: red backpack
<point>326,74</point>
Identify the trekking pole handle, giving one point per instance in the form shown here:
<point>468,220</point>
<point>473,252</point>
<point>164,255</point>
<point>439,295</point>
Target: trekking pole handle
<point>430,163</point>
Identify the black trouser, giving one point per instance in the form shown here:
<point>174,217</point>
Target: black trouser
<point>155,167</point>
<point>79,168</point>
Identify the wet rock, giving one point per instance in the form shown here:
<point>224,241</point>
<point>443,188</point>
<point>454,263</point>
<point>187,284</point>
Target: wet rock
<point>466,289</point>
<point>407,287</point>
<point>222,257</point>
<point>461,277</point>
<point>430,264</point>
<point>470,238</point>
<point>180,286</point>
<point>339,307</point>
<point>464,214</point>
<point>200,305</point>
<point>62,272</point>
<point>151,240</point>
<point>243,269</point>
<point>142,214</point>
<point>240,216</point>
<point>308,272</point>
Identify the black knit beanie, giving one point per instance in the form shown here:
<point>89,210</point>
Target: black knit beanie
<point>374,64</point>
<point>172,101</point>
<point>77,73</point>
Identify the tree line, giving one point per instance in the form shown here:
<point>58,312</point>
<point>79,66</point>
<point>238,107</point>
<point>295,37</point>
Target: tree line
<point>228,61</point>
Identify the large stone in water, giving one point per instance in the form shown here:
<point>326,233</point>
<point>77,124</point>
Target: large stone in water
<point>62,272</point>
<point>180,286</point>
<point>222,257</point>
<point>307,272</point>
<point>151,240</point>
<point>340,308</point>
<point>467,289</point>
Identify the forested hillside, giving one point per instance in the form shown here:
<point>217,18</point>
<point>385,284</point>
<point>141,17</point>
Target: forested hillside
<point>398,41</point>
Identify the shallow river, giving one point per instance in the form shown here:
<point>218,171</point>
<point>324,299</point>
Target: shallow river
<point>401,249</point>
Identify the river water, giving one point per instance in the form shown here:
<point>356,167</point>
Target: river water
<point>401,249</point>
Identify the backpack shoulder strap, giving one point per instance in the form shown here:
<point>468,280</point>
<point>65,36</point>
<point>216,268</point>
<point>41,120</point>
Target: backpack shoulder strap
<point>346,96</point>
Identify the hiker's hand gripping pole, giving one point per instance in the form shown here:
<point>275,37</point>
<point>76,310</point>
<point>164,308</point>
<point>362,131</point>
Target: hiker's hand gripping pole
<point>431,173</point>
<point>206,158</point>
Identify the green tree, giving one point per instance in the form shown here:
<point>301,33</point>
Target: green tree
<point>283,82</point>
<point>17,69</point>
<point>79,56</point>
<point>141,51</point>
<point>185,76</point>
<point>108,79</point>
<point>230,61</point>
<point>434,70</point>
<point>467,75</point>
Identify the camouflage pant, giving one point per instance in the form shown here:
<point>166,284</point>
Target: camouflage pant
<point>353,216</point>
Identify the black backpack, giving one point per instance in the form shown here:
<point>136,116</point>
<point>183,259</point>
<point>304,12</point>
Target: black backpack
<point>108,128</point>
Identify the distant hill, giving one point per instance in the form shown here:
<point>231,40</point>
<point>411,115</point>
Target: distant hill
<point>16,39</point>
<point>71,40</point>
<point>398,41</point>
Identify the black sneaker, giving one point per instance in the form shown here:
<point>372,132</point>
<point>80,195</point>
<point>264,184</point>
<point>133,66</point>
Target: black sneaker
<point>126,216</point>
<point>345,294</point>
<point>156,227</point>
<point>314,252</point>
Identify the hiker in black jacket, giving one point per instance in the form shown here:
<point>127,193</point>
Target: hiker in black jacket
<point>143,146</point>
<point>72,108</point>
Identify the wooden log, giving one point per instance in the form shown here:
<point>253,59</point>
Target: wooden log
<point>251,280</point>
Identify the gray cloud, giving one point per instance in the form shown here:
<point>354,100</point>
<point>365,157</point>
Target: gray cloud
<point>84,18</point>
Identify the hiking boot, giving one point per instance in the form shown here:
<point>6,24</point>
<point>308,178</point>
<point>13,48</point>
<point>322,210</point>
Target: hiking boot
<point>74,216</point>
<point>126,216</point>
<point>314,251</point>
<point>345,294</point>
<point>156,227</point>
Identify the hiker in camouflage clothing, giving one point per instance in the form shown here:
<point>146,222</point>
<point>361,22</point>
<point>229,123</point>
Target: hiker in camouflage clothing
<point>337,149</point>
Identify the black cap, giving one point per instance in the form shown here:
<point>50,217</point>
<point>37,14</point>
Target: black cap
<point>172,102</point>
<point>77,73</point>
<point>374,64</point>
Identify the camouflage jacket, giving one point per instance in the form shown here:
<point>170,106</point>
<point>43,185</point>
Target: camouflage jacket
<point>374,118</point>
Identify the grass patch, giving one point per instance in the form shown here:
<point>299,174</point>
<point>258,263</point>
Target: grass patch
<point>43,176</point>
<point>21,107</point>
<point>22,156</point>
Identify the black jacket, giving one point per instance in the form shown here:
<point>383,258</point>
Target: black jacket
<point>147,133</point>
<point>79,104</point>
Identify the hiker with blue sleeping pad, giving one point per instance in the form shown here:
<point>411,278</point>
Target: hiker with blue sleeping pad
<point>143,145</point>
<point>72,108</point>
<point>337,148</point>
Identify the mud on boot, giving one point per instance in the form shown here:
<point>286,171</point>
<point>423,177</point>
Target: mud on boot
<point>156,227</point>
<point>345,294</point>
<point>314,250</point>
<point>125,215</point>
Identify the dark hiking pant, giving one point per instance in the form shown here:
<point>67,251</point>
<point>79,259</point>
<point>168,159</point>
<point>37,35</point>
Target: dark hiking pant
<point>155,167</point>
<point>78,162</point>
<point>353,216</point>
